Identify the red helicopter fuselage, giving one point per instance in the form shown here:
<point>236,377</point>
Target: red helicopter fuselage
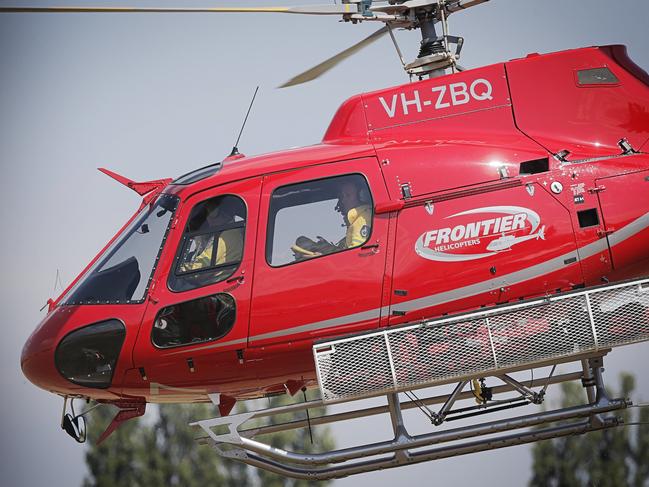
<point>496,184</point>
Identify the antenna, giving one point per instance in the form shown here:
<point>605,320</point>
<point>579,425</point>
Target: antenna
<point>57,281</point>
<point>235,149</point>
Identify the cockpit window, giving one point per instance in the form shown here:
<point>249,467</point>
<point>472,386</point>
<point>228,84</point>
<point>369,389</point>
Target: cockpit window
<point>122,273</point>
<point>200,320</point>
<point>316,218</point>
<point>212,245</point>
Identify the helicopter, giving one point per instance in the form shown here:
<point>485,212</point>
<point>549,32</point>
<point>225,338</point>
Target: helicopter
<point>427,251</point>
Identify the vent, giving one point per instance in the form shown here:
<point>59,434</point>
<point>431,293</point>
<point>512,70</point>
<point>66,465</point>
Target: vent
<point>596,76</point>
<point>534,167</point>
<point>588,218</point>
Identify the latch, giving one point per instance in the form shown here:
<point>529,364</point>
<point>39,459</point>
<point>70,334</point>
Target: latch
<point>603,233</point>
<point>627,148</point>
<point>596,189</point>
<point>152,286</point>
<point>406,191</point>
<point>237,279</point>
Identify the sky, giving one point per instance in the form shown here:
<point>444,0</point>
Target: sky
<point>154,96</point>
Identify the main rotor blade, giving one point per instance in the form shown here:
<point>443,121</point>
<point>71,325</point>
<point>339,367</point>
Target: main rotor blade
<point>347,8</point>
<point>325,66</point>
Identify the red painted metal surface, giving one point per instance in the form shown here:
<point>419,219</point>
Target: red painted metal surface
<point>472,209</point>
<point>587,120</point>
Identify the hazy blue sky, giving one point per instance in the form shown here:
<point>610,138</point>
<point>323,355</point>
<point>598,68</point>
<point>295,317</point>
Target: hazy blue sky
<point>154,96</point>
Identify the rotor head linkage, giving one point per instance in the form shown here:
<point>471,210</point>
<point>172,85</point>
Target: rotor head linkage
<point>434,55</point>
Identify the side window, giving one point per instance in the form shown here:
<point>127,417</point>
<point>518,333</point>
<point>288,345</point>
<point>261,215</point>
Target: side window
<point>196,321</point>
<point>212,245</point>
<point>316,218</point>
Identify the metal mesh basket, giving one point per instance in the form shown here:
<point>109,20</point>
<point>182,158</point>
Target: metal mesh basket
<point>621,315</point>
<point>539,333</point>
<point>430,353</point>
<point>484,342</point>
<point>366,368</point>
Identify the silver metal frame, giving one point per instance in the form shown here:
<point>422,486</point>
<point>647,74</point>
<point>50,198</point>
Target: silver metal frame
<point>404,448</point>
<point>239,443</point>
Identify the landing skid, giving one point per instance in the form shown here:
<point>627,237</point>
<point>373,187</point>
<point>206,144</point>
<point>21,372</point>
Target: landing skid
<point>406,449</point>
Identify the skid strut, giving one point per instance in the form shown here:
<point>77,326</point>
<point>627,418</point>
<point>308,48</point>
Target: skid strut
<point>404,448</point>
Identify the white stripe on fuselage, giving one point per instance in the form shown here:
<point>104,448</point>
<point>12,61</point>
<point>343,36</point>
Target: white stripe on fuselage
<point>517,277</point>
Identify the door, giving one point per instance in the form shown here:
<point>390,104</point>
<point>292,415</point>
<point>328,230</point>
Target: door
<point>594,254</point>
<point>321,253</point>
<point>625,209</point>
<point>467,250</point>
<point>196,322</point>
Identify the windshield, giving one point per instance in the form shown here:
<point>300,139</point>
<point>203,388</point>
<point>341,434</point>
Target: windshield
<point>122,273</point>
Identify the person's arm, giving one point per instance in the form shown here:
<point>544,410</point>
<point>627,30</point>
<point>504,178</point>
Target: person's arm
<point>203,258</point>
<point>199,262</point>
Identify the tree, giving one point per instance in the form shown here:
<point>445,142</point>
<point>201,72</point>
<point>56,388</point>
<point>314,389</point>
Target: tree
<point>162,451</point>
<point>609,458</point>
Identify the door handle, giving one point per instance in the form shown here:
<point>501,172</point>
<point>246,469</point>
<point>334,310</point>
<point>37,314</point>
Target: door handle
<point>374,246</point>
<point>234,279</point>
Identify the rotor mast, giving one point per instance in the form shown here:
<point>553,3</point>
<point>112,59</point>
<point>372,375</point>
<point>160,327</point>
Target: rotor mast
<point>435,55</point>
<point>433,58</point>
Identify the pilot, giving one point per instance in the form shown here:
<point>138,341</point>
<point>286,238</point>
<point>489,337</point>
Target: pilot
<point>229,247</point>
<point>357,217</point>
